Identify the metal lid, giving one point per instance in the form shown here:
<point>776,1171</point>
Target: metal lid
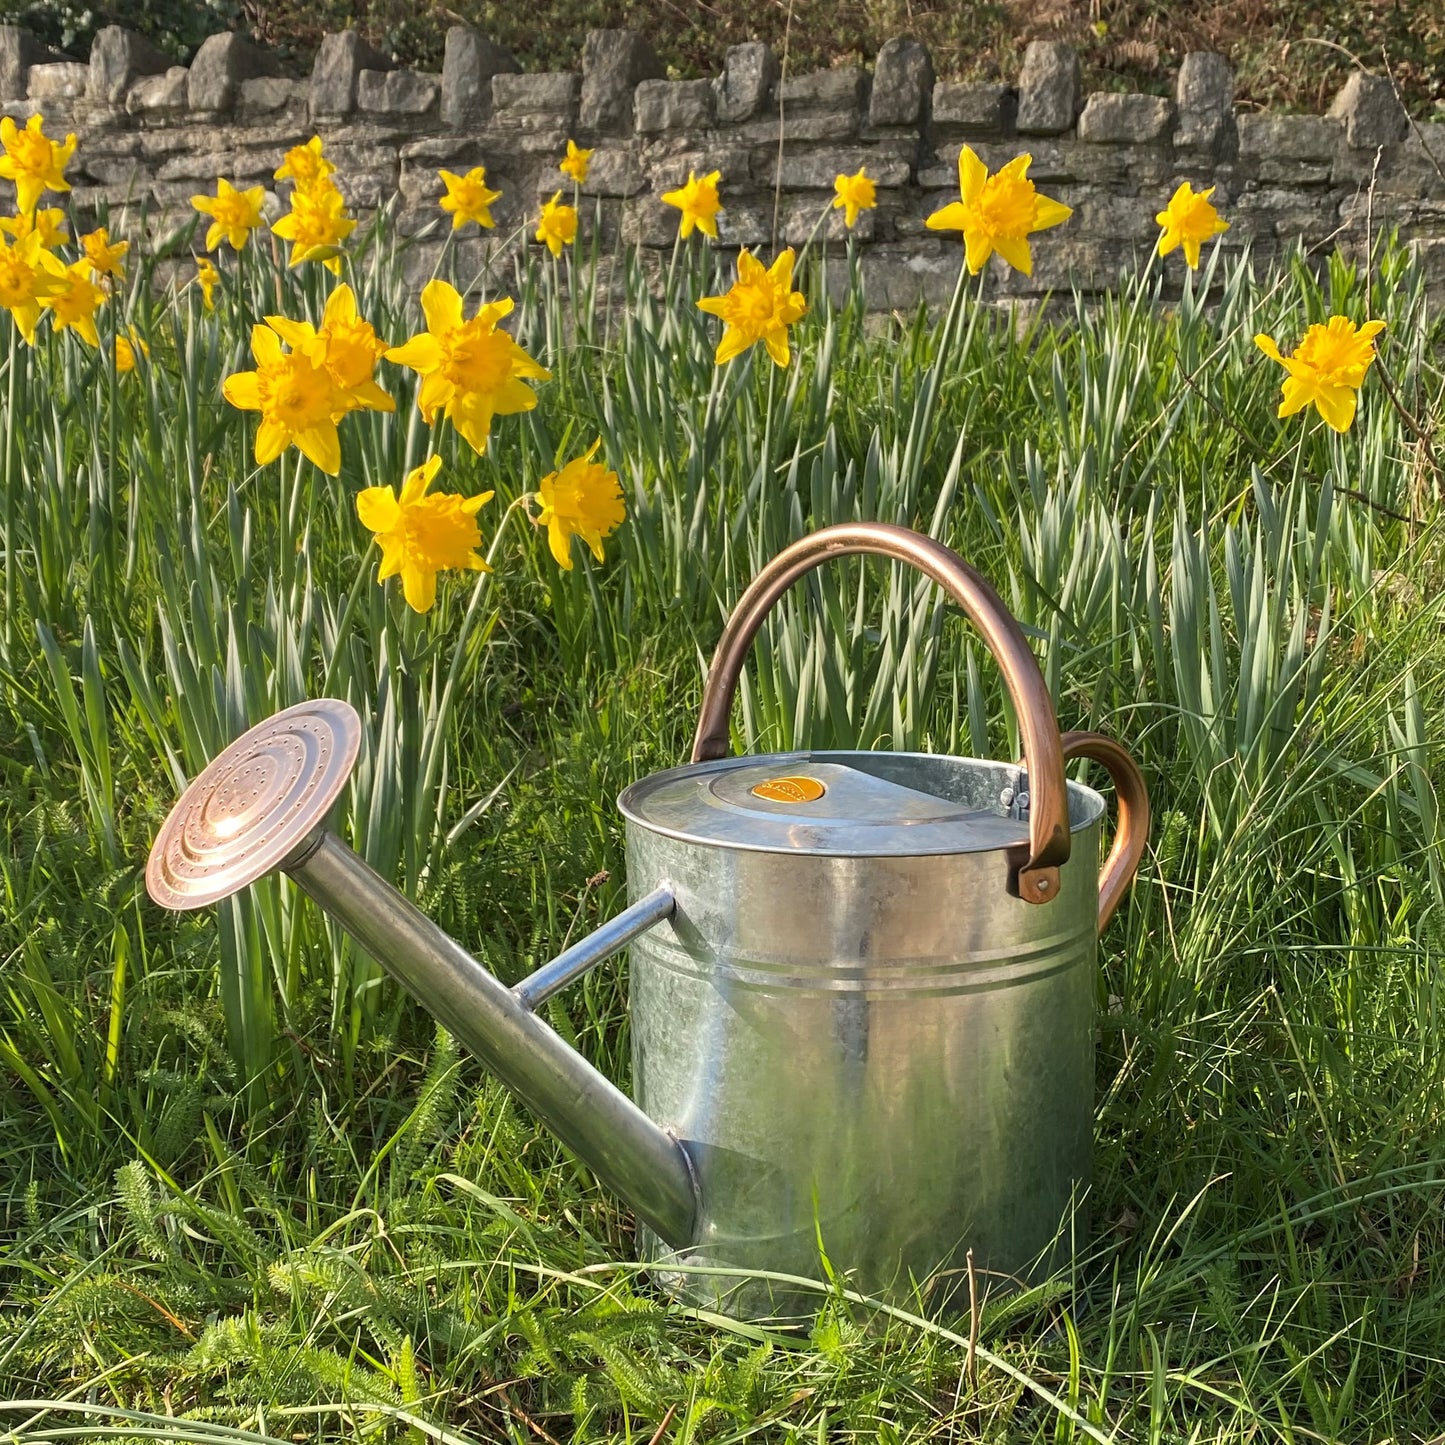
<point>254,805</point>
<point>819,803</point>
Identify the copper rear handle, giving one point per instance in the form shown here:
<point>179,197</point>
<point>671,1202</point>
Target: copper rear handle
<point>1132,831</point>
<point>1038,877</point>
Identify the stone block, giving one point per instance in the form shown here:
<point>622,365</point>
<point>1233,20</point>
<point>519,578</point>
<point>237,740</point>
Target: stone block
<point>1307,216</point>
<point>614,62</point>
<point>839,90</point>
<point>1371,111</point>
<point>366,190</point>
<point>19,50</point>
<point>127,171</point>
<point>57,80</point>
<point>614,171</point>
<point>750,73</point>
<point>336,72</point>
<point>470,61</point>
<point>397,92</point>
<point>270,94</point>
<point>899,278</point>
<point>1110,119</point>
<point>1204,97</point>
<point>902,83</point>
<point>1048,88</point>
<point>552,94</point>
<point>814,219</point>
<point>1289,137</point>
<point>809,126</point>
<point>817,170</point>
<point>974,109</point>
<point>219,67</point>
<point>118,58</point>
<point>664,105</point>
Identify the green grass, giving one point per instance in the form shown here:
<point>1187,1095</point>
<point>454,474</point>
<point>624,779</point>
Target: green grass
<point>243,1180</point>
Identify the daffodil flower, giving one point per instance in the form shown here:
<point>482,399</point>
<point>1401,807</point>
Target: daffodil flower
<point>29,276</point>
<point>1189,220</point>
<point>102,256</point>
<point>852,195</point>
<point>998,212</point>
<point>575,163</point>
<point>470,370</point>
<point>207,278</point>
<point>305,165</point>
<point>73,306</point>
<point>297,397</point>
<point>345,345</point>
<point>316,225</point>
<point>468,198</point>
<point>234,214</point>
<point>557,226</point>
<point>421,535</point>
<point>47,222</point>
<point>1327,369</point>
<point>582,499</point>
<point>760,306</point>
<point>698,201</point>
<point>33,161</point>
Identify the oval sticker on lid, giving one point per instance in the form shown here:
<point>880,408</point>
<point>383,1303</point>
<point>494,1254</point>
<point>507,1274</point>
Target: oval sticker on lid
<point>789,790</point>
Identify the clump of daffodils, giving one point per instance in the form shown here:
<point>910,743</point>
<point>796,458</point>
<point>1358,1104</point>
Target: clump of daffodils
<point>318,221</point>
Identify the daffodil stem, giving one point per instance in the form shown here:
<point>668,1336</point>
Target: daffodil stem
<point>436,741</point>
<point>12,440</point>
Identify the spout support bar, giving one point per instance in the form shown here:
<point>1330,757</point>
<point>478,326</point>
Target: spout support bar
<point>629,1153</point>
<point>600,945</point>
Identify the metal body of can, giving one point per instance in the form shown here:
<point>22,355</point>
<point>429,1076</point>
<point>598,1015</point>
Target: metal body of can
<point>874,1056</point>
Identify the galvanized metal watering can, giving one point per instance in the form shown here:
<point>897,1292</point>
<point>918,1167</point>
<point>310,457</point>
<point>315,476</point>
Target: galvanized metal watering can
<point>862,984</point>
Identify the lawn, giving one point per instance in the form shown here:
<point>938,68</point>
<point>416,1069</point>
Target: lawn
<point>249,1191</point>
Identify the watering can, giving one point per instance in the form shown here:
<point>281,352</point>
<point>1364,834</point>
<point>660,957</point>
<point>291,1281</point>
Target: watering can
<point>861,983</point>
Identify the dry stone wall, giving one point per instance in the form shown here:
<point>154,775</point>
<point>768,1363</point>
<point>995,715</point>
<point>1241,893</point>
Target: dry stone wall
<point>153,134</point>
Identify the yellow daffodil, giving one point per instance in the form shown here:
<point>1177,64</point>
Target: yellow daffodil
<point>47,222</point>
<point>103,257</point>
<point>207,278</point>
<point>998,212</point>
<point>1189,221</point>
<point>574,164</point>
<point>29,276</point>
<point>1327,369</point>
<point>582,500</point>
<point>346,345</point>
<point>421,535</point>
<point>469,369</point>
<point>698,201</point>
<point>853,194</point>
<point>33,161</point>
<point>760,307</point>
<point>126,349</point>
<point>557,225</point>
<point>73,306</point>
<point>316,225</point>
<point>234,214</point>
<point>468,197</point>
<point>298,400</point>
<point>305,165</point>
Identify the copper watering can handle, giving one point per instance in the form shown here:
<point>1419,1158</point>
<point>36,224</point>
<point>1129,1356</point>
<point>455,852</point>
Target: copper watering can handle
<point>1132,830</point>
<point>1038,877</point>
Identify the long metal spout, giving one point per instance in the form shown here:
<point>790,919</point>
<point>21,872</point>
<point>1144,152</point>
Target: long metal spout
<point>261,804</point>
